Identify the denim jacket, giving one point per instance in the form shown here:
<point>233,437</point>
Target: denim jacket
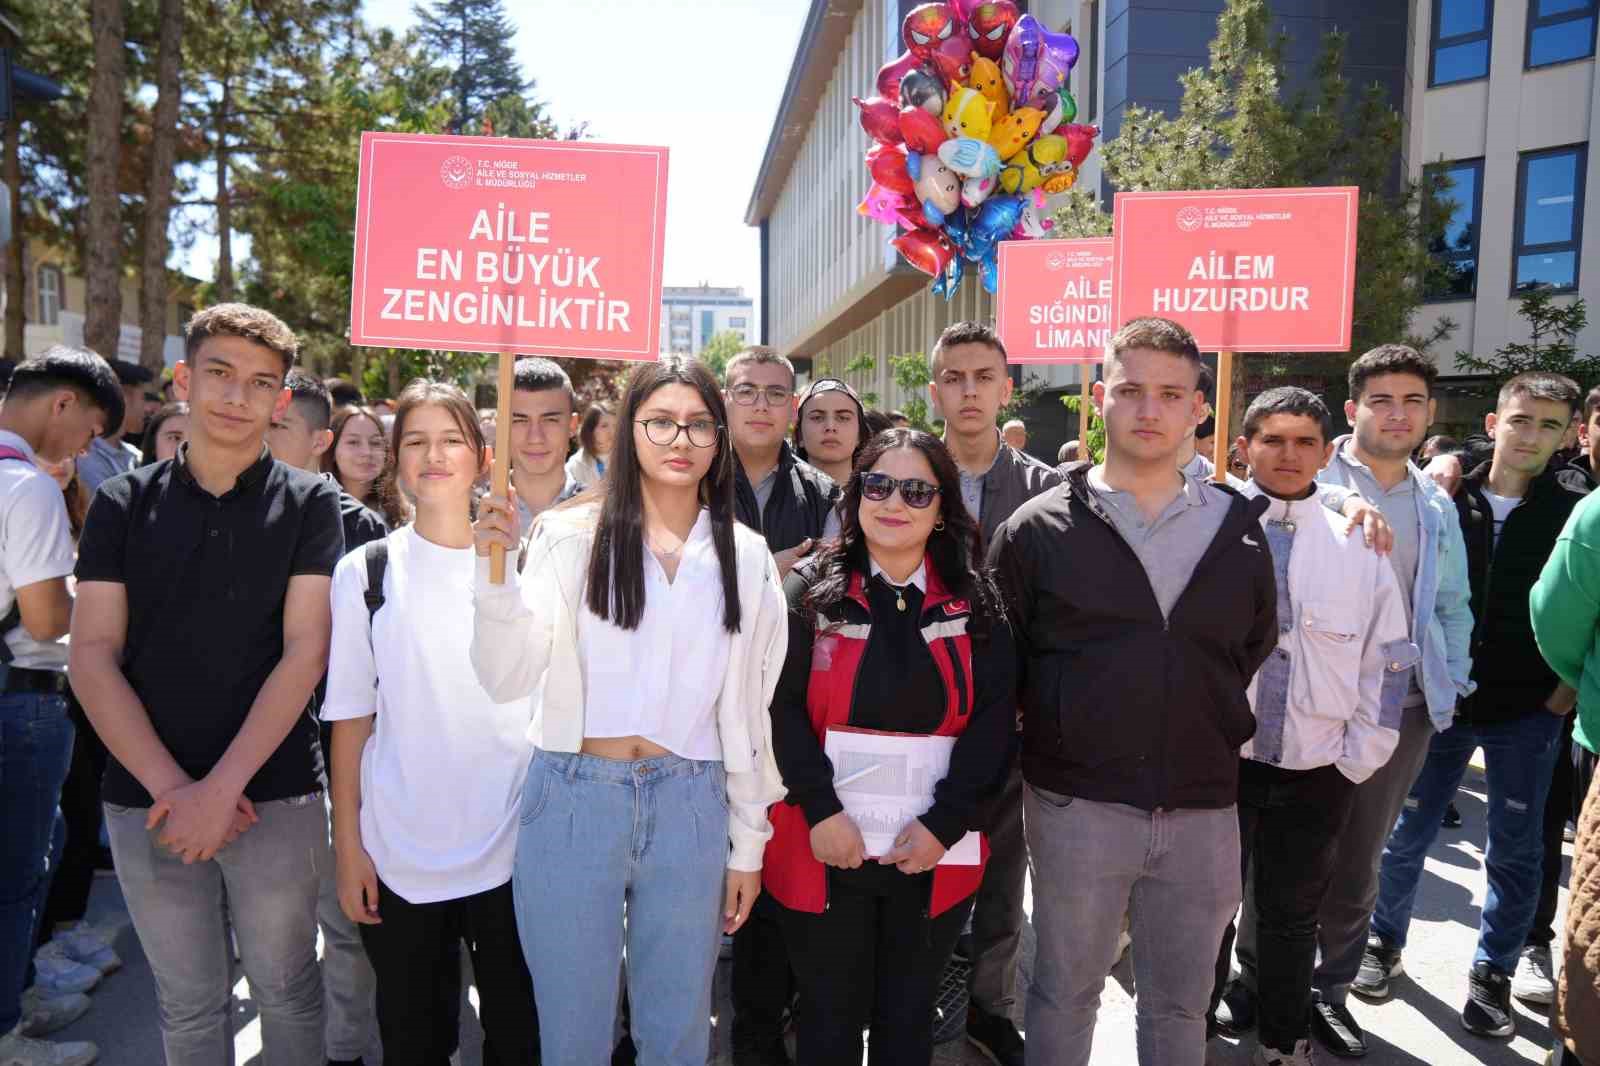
<point>1441,600</point>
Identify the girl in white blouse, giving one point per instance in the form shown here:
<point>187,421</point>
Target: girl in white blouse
<point>649,631</point>
<point>427,768</point>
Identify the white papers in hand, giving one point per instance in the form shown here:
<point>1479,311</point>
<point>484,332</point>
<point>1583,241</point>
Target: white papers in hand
<point>885,780</point>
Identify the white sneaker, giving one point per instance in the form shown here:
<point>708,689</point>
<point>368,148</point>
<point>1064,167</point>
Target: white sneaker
<point>19,1050</point>
<point>1535,979</point>
<point>56,974</point>
<point>86,945</point>
<point>43,1014</point>
<point>1302,1055</point>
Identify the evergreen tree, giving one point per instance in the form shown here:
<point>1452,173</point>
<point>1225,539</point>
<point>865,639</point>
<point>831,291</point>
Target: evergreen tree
<point>1552,344</point>
<point>472,39</point>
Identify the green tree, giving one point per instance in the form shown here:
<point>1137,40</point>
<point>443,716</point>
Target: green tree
<point>1235,129</point>
<point>912,375</point>
<point>1552,345</point>
<point>472,39</point>
<point>1096,437</point>
<point>719,349</point>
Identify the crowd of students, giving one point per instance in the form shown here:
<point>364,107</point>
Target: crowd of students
<point>299,705</point>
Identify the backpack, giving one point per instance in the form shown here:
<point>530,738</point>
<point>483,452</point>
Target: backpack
<point>376,554</point>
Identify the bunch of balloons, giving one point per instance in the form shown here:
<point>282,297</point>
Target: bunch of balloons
<point>972,128</point>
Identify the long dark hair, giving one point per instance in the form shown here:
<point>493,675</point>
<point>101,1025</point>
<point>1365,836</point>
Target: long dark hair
<point>616,562</point>
<point>383,496</point>
<point>152,429</point>
<point>591,421</point>
<point>955,552</point>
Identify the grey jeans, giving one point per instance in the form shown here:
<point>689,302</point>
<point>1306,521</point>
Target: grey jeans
<point>348,983</point>
<point>1352,894</point>
<point>1176,873</point>
<point>269,879</point>
<point>997,916</point>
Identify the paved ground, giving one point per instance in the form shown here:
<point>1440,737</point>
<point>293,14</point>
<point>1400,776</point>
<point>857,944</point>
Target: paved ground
<point>1417,1027</point>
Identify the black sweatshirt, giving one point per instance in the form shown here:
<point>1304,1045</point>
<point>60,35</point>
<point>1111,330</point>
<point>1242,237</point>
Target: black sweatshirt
<point>897,689</point>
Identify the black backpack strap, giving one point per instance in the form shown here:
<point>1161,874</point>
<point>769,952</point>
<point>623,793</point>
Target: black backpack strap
<point>12,620</point>
<point>377,555</point>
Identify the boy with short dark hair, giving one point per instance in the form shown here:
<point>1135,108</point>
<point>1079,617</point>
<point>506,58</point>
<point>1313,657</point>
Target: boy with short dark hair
<point>544,416</point>
<point>205,590</point>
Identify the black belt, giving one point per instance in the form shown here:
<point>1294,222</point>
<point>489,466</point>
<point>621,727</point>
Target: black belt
<point>20,679</point>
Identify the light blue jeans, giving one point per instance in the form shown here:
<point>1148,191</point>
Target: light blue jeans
<point>599,839</point>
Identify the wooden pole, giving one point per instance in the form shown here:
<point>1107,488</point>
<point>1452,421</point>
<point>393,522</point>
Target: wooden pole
<point>500,472</point>
<point>1223,411</point>
<point>1085,411</point>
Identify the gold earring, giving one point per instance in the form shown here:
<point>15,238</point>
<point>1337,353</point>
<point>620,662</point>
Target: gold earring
<point>938,527</point>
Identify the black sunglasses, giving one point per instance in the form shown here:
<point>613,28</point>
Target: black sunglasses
<point>915,491</point>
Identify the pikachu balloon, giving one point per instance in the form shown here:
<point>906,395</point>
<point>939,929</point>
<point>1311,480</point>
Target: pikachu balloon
<point>1012,133</point>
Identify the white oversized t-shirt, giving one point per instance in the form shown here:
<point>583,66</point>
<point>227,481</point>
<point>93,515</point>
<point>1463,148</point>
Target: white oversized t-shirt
<point>35,546</point>
<point>442,775</point>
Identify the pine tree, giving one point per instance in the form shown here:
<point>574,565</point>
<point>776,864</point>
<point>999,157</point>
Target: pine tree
<point>472,39</point>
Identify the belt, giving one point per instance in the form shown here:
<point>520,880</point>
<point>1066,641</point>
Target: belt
<point>14,679</point>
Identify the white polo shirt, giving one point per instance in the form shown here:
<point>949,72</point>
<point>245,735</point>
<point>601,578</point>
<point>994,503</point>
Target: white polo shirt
<point>35,546</point>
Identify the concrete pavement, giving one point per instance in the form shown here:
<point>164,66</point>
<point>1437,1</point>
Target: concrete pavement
<point>1418,1026</point>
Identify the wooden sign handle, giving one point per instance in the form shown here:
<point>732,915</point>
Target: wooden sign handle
<point>1085,412</point>
<point>1222,410</point>
<point>500,472</point>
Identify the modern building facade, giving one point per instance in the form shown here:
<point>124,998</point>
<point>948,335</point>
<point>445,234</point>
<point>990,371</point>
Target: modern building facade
<point>691,316</point>
<point>1503,91</point>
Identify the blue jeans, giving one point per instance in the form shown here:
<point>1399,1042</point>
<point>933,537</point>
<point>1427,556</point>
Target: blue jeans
<point>600,838</point>
<point>1519,757</point>
<point>35,750</point>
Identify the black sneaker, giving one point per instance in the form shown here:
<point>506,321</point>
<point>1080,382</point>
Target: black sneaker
<point>1488,1009</point>
<point>1452,818</point>
<point>995,1036</point>
<point>771,1053</point>
<point>1236,1014</point>
<point>1336,1030</point>
<point>1379,964</point>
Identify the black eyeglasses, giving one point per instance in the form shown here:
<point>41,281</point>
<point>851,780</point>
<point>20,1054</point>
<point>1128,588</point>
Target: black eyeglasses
<point>915,491</point>
<point>746,395</point>
<point>663,432</point>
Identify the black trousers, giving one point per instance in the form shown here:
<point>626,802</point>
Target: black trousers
<point>1289,823</point>
<point>68,900</point>
<point>415,953</point>
<point>763,983</point>
<point>1574,768</point>
<point>873,958</point>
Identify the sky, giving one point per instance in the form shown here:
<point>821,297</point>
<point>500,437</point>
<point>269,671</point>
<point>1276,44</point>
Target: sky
<point>659,73</point>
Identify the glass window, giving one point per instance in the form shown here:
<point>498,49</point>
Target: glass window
<point>1560,30</point>
<point>1460,40</point>
<point>1549,221</point>
<point>708,321</point>
<point>49,295</point>
<point>1457,247</point>
<point>736,322</point>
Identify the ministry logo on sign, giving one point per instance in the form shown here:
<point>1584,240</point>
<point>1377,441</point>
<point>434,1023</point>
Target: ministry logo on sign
<point>456,172</point>
<point>1189,218</point>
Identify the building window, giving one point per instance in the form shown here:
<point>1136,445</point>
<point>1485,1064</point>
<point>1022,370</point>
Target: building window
<point>708,325</point>
<point>1460,40</point>
<point>737,322</point>
<point>1457,247</point>
<point>1559,30</point>
<point>1549,218</point>
<point>50,292</point>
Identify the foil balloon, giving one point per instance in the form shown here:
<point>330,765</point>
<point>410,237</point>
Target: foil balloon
<point>1036,63</point>
<point>968,114</point>
<point>949,279</point>
<point>937,187</point>
<point>926,27</point>
<point>1011,133</point>
<point>893,72</point>
<point>989,24</point>
<point>953,60</point>
<point>994,222</point>
<point>883,204</point>
<point>1064,110</point>
<point>1035,220</point>
<point>1080,142</point>
<point>986,78</point>
<point>926,249</point>
<point>880,118</point>
<point>1030,168</point>
<point>922,88</point>
<point>922,131</point>
<point>975,191</point>
<point>888,167</point>
<point>969,157</point>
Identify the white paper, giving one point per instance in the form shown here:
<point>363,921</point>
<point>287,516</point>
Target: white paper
<point>883,801</point>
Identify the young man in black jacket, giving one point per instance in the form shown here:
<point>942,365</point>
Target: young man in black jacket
<point>1143,602</point>
<point>1511,509</point>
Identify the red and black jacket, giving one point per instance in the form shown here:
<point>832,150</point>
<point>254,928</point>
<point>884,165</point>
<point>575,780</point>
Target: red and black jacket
<point>955,685</point>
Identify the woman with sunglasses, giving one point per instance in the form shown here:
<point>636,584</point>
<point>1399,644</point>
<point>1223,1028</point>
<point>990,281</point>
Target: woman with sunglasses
<point>830,428</point>
<point>895,628</point>
<point>649,631</point>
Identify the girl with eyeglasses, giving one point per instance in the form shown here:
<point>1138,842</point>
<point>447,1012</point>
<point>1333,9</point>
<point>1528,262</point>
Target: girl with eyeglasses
<point>648,631</point>
<point>895,628</point>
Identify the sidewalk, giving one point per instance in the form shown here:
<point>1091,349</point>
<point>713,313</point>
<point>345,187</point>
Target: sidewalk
<point>1418,1026</point>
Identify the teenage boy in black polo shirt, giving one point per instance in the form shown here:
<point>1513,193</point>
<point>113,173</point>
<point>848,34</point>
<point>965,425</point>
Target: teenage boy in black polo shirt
<point>203,587</point>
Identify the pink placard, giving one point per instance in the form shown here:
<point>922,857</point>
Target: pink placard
<point>489,244</point>
<point>1245,270</point>
<point>1054,300</point>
